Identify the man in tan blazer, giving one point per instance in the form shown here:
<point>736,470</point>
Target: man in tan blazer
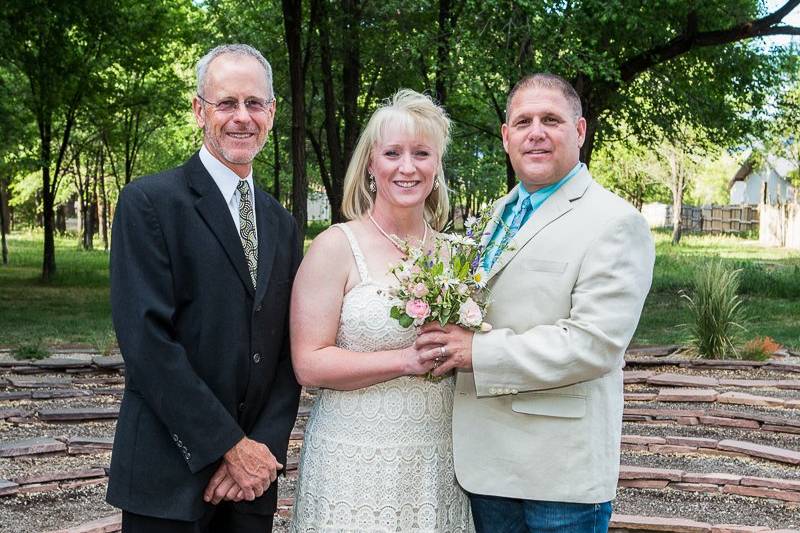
<point>538,406</point>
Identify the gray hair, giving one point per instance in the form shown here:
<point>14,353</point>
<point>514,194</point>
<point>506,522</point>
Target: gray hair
<point>233,49</point>
<point>545,80</point>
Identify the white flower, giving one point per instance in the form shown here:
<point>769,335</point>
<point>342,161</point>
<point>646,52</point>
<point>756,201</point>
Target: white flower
<point>469,314</point>
<point>479,277</point>
<point>471,221</point>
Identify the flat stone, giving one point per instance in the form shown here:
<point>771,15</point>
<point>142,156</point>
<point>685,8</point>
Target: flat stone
<point>24,382</point>
<point>643,483</point>
<point>13,413</point>
<point>90,444</point>
<point>297,434</point>
<point>713,478</point>
<point>664,413</point>
<point>108,361</point>
<point>107,524</point>
<point>792,384</point>
<point>78,413</point>
<point>780,429</point>
<point>763,418</point>
<point>291,465</point>
<point>641,472</point>
<point>682,380</point>
<point>671,448</point>
<point>791,404</point>
<point>695,487</point>
<point>634,447</point>
<point>61,476</point>
<point>37,487</point>
<point>59,393</point>
<point>697,442</point>
<point>652,351</point>
<point>687,420</point>
<point>748,383</point>
<point>7,488</point>
<point>735,528</point>
<point>759,450</point>
<point>303,412</point>
<point>15,395</point>
<point>60,363</point>
<point>642,439</point>
<point>783,367</point>
<point>723,453</point>
<point>686,395</point>
<point>729,422</point>
<point>78,483</point>
<point>761,492</point>
<point>31,446</point>
<point>635,418</point>
<point>727,364</point>
<point>639,396</point>
<point>11,363</point>
<point>775,483</point>
<point>635,376</point>
<point>656,523</point>
<point>652,361</point>
<point>743,398</point>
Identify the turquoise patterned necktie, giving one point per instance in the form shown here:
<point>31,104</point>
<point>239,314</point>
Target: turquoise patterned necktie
<point>247,229</point>
<point>513,228</point>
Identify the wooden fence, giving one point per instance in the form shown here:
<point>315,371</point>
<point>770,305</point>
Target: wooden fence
<point>715,219</point>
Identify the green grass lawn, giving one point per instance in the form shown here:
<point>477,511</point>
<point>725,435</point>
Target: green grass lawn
<point>770,286</point>
<point>75,309</point>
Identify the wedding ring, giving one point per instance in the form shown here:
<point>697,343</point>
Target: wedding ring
<point>443,351</point>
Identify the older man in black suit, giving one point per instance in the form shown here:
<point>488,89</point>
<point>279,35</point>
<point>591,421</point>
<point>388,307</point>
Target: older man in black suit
<point>202,264</point>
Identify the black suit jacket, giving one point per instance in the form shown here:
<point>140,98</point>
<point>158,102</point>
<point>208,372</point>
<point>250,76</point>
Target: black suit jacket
<point>206,356</point>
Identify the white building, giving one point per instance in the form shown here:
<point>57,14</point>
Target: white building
<point>767,185</point>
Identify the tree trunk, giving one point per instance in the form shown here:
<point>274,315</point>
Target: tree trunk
<point>3,222</point>
<point>677,210</point>
<point>332,138</point>
<point>49,255</point>
<point>292,21</point>
<point>103,198</point>
<point>276,176</point>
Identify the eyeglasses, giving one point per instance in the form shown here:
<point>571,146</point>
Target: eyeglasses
<point>229,105</point>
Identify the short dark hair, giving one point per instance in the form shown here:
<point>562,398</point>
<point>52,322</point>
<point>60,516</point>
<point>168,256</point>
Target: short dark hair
<point>545,80</point>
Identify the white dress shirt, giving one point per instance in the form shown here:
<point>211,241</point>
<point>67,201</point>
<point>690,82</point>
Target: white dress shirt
<point>227,180</point>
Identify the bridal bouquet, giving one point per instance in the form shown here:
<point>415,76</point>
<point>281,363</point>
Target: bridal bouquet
<point>445,284</point>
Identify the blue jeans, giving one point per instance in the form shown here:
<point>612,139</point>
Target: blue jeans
<point>495,514</point>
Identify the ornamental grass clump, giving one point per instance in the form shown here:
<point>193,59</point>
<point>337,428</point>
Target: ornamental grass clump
<point>717,312</point>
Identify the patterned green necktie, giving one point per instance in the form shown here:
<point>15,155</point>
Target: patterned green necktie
<point>247,229</point>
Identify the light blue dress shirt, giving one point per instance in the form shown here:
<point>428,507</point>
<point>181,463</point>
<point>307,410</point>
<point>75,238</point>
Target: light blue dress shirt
<point>514,205</point>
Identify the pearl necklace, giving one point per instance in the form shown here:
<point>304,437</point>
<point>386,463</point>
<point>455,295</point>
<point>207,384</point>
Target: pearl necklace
<point>394,238</point>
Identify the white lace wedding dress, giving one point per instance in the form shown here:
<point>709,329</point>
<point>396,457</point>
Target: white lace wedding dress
<point>379,459</point>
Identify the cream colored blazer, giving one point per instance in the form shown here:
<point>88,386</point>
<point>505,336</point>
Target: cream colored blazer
<point>540,415</point>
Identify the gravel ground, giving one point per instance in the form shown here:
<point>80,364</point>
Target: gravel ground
<point>9,432</point>
<point>781,440</point>
<point>12,468</point>
<point>770,392</point>
<point>740,466</point>
<point>34,513</point>
<point>791,414</point>
<point>749,373</point>
<point>703,507</point>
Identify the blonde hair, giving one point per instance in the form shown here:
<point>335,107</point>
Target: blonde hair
<point>420,116</point>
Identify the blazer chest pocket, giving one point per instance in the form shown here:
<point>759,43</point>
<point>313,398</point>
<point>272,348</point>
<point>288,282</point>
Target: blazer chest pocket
<point>551,267</point>
<point>549,403</point>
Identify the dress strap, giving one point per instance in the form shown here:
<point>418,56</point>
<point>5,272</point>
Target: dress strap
<point>361,263</point>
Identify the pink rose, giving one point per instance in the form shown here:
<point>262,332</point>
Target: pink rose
<point>420,290</point>
<point>418,309</point>
<point>469,314</point>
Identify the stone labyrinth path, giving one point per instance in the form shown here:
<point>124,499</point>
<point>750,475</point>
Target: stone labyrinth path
<point>708,446</point>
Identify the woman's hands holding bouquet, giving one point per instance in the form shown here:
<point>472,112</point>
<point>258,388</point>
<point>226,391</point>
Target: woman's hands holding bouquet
<point>444,347</point>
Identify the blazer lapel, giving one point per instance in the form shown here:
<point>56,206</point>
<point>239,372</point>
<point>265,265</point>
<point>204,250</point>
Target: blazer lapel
<point>552,209</point>
<point>215,213</point>
<point>267,227</point>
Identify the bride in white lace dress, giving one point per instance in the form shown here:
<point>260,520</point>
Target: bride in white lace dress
<point>377,455</point>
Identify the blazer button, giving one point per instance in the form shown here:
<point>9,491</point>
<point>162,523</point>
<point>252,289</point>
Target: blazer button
<point>175,437</point>
<point>241,407</point>
<point>492,391</point>
<point>258,308</point>
<point>256,358</point>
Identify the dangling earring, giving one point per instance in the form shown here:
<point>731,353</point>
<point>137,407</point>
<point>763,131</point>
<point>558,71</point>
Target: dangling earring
<point>372,187</point>
<point>435,184</point>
